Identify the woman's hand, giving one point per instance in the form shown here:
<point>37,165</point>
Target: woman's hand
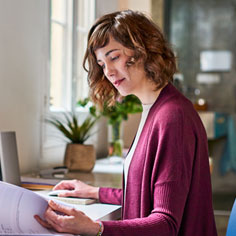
<point>77,189</point>
<point>65,219</point>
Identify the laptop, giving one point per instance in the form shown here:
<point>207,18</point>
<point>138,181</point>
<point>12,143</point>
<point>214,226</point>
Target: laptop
<point>9,163</point>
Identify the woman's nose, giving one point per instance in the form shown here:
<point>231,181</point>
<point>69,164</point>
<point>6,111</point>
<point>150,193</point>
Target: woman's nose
<point>109,70</point>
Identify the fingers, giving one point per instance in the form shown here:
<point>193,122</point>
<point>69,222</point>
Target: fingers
<point>42,222</point>
<point>61,208</point>
<point>71,193</point>
<point>53,221</point>
<point>64,219</point>
<point>53,218</point>
<point>60,217</point>
<point>65,184</point>
<point>76,188</point>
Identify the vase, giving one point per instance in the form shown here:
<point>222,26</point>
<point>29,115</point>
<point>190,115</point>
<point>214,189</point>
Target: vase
<point>115,140</point>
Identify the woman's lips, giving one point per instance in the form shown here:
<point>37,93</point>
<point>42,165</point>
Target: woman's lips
<point>118,82</point>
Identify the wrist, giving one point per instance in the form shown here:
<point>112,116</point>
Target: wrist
<point>94,193</point>
<point>100,228</point>
<point>95,229</point>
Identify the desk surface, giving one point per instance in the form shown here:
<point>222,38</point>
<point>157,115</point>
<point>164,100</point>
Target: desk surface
<point>96,211</point>
<point>106,173</point>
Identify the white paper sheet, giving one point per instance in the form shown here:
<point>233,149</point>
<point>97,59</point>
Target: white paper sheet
<point>17,209</point>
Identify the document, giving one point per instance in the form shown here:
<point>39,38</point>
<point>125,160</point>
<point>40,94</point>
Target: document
<point>19,205</point>
<point>17,209</point>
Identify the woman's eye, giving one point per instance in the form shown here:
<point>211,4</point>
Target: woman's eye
<point>114,58</point>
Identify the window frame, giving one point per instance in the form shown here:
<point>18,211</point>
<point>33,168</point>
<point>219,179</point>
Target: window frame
<point>72,74</point>
<point>52,140</point>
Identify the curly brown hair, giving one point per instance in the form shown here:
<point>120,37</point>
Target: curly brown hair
<point>135,31</point>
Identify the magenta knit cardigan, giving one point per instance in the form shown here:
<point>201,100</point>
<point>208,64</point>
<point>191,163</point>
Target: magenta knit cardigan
<point>168,186</point>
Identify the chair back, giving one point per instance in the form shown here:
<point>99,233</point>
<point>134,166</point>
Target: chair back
<point>231,229</point>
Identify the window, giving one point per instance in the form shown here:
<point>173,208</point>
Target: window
<point>70,23</point>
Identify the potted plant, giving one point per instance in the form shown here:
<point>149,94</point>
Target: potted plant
<point>115,115</point>
<point>78,156</point>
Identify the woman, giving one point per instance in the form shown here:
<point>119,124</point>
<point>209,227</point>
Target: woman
<point>167,188</point>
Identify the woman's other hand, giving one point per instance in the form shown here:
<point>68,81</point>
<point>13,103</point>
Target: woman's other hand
<point>65,219</point>
<point>77,188</point>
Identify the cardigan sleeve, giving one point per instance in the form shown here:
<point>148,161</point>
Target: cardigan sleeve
<point>154,224</point>
<point>164,219</point>
<point>110,195</point>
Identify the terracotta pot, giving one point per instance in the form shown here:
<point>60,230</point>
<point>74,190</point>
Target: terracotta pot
<point>80,157</point>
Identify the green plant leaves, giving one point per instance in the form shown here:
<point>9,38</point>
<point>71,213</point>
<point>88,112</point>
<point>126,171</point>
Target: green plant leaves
<point>128,105</point>
<point>117,113</point>
<point>70,128</point>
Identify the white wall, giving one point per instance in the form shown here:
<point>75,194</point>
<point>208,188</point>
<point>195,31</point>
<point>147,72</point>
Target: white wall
<point>23,28</point>
<point>137,5</point>
<point>105,7</point>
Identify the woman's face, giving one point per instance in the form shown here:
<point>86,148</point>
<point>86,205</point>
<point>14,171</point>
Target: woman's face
<point>114,59</point>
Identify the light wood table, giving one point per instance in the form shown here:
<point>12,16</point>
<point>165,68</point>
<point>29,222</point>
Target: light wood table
<point>106,173</point>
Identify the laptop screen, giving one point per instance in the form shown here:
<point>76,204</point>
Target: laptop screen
<point>0,172</point>
<point>9,163</point>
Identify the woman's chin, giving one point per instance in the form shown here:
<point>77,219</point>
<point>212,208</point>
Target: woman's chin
<point>123,93</point>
